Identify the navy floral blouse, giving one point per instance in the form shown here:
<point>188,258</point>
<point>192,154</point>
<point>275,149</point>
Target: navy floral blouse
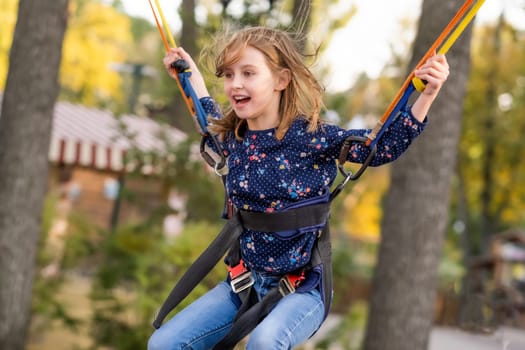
<point>267,175</point>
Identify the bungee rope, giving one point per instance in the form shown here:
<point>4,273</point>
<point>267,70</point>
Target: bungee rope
<point>188,93</point>
<point>183,71</point>
<point>441,45</point>
<point>460,21</point>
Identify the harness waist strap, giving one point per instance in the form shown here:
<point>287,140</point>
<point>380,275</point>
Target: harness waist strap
<point>287,220</point>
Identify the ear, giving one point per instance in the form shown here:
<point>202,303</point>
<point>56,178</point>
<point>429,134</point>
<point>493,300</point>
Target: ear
<point>283,79</point>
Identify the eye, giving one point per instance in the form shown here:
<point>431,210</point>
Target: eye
<point>248,73</point>
<point>228,75</point>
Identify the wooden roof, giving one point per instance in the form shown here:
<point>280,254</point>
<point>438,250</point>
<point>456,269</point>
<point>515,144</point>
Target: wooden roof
<point>90,137</point>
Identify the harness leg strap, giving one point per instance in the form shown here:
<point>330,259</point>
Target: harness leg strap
<point>200,268</point>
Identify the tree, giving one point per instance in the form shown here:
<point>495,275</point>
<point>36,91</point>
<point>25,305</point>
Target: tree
<point>416,205</point>
<point>25,130</point>
<point>489,190</point>
<point>96,40</point>
<point>492,174</point>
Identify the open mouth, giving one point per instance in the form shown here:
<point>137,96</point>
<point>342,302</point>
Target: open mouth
<point>241,100</point>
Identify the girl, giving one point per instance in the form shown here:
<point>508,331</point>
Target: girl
<point>280,156</point>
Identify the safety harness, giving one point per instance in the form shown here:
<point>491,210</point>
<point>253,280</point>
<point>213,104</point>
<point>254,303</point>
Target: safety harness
<point>252,311</point>
<point>318,273</point>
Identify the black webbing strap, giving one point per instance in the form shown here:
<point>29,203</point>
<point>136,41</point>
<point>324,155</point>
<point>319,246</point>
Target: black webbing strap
<point>287,220</point>
<point>248,320</point>
<point>322,255</point>
<point>200,268</point>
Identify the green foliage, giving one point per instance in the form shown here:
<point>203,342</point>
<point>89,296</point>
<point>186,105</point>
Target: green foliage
<point>451,268</point>
<point>491,174</point>
<point>96,38</point>
<point>81,244</point>
<point>47,307</point>
<point>183,169</point>
<point>206,192</point>
<point>135,266</point>
<point>45,303</point>
<point>139,268</point>
<point>352,258</point>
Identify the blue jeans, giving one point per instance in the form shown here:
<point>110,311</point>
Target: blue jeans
<point>207,320</point>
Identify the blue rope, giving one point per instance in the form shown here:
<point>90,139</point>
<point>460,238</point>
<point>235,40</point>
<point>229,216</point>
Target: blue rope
<point>200,114</point>
<point>401,104</point>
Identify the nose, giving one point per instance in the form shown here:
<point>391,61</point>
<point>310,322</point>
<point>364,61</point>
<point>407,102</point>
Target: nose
<point>237,81</point>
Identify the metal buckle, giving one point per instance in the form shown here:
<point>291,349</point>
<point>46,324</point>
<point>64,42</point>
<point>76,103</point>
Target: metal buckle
<point>242,282</point>
<point>286,286</point>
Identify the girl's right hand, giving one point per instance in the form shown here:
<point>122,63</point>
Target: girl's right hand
<point>196,79</point>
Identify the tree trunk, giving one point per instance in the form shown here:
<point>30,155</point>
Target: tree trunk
<point>416,206</point>
<point>25,129</point>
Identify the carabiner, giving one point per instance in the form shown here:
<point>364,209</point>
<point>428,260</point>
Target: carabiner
<point>343,156</point>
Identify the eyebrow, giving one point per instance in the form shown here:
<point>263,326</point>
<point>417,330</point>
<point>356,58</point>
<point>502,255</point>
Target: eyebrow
<point>245,66</point>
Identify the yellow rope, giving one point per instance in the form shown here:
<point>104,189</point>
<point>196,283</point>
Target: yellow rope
<point>165,24</point>
<point>460,28</point>
<point>418,83</point>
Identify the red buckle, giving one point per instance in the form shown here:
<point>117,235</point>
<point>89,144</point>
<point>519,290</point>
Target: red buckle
<point>240,277</point>
<point>289,282</point>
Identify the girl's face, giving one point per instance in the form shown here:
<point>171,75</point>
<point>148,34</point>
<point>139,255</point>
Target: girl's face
<point>254,90</point>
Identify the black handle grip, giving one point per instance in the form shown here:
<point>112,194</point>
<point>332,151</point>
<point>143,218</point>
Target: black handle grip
<point>180,65</point>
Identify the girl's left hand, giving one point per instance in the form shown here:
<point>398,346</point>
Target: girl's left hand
<point>434,72</point>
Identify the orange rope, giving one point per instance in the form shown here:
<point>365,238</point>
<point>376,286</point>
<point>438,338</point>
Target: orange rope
<point>431,51</point>
<point>162,35</point>
<point>187,100</point>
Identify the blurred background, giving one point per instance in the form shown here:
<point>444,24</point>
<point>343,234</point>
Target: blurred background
<point>128,203</point>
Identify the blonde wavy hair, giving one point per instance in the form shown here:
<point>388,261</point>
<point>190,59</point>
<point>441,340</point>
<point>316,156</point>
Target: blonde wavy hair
<point>303,97</point>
